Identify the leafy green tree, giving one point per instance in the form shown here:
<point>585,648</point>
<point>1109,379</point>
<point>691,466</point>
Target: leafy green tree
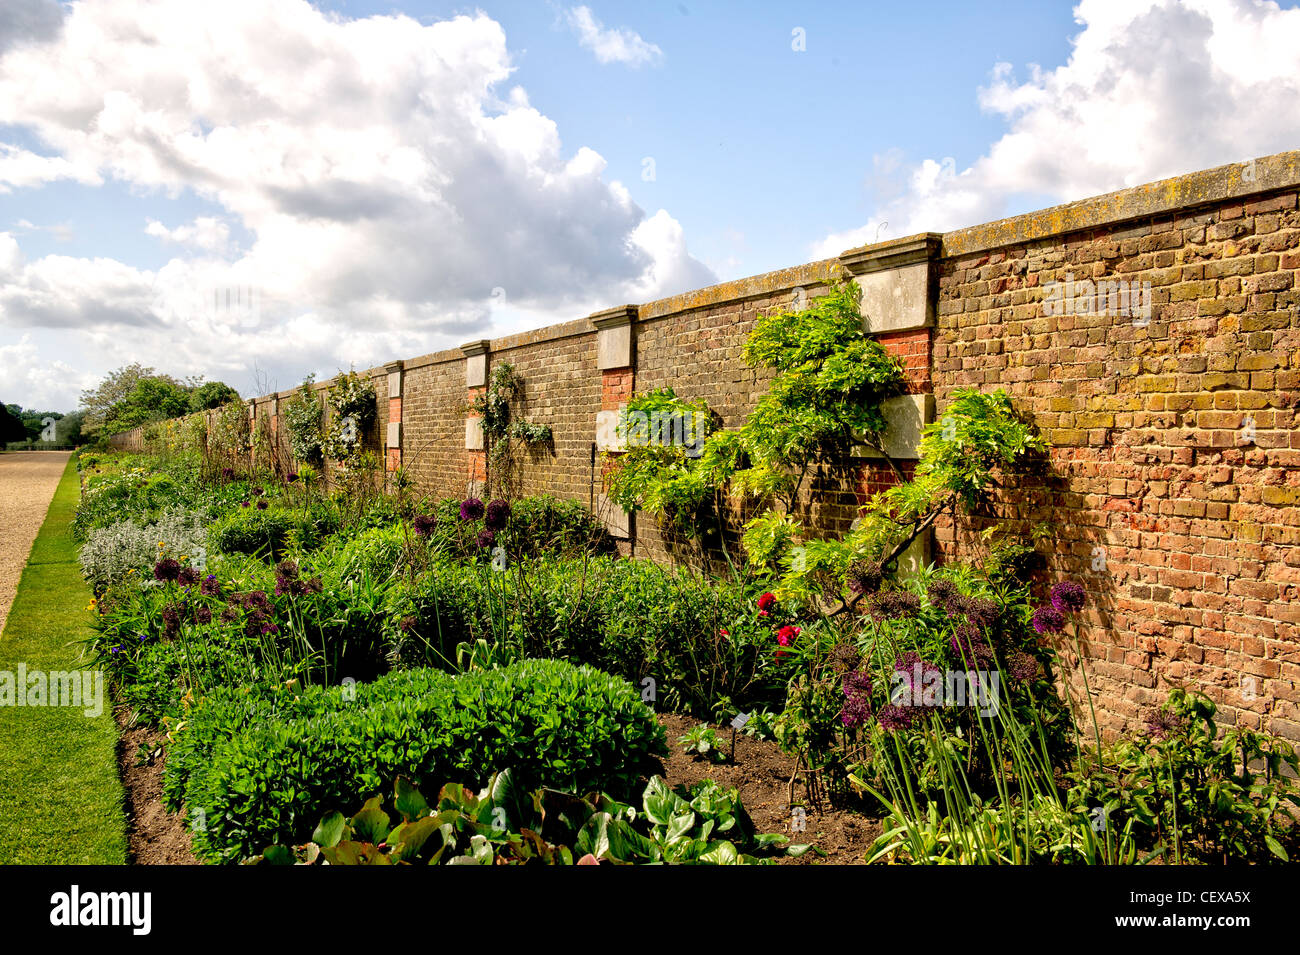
<point>11,426</point>
<point>68,430</point>
<point>98,402</point>
<point>212,394</point>
<point>151,399</point>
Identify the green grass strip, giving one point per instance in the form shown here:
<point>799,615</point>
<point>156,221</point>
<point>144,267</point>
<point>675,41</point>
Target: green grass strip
<point>60,793</point>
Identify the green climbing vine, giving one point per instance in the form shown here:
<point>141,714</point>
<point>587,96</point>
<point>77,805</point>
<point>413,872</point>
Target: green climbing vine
<point>302,417</point>
<point>827,398</point>
<point>351,399</point>
<point>504,432</point>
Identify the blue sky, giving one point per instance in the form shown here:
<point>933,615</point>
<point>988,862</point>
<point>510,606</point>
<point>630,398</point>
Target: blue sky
<point>393,178</point>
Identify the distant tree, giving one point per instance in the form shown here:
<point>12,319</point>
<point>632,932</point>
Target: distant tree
<point>11,426</point>
<point>152,399</point>
<point>99,402</point>
<point>68,430</point>
<point>34,421</point>
<point>212,394</point>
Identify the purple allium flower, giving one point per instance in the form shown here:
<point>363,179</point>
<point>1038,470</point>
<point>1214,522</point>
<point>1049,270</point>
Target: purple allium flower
<point>487,537</point>
<point>855,711</point>
<point>291,478</point>
<point>424,524</point>
<point>203,615</point>
<point>269,628</point>
<point>894,604</point>
<point>1067,597</point>
<point>257,492</point>
<point>1022,667</point>
<point>497,514</point>
<point>892,717</point>
<point>210,587</point>
<point>171,622</point>
<point>942,592</point>
<point>262,505</point>
<point>981,611</point>
<point>254,624</point>
<point>256,600</point>
<point>227,473</point>
<point>969,644</point>
<point>188,577</point>
<point>229,615</point>
<point>1048,619</point>
<point>857,698</point>
<point>288,569</point>
<point>408,624</point>
<point>166,569</point>
<point>471,509</point>
<point>246,504</point>
<point>864,577</point>
<point>1162,725</point>
<point>909,661</point>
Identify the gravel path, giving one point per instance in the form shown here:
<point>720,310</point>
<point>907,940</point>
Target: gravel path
<point>27,483</point>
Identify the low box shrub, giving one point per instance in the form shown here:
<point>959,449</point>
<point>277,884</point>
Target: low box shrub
<point>260,766</point>
<point>251,530</point>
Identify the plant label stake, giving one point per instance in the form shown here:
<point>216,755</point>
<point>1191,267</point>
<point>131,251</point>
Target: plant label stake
<point>736,724</point>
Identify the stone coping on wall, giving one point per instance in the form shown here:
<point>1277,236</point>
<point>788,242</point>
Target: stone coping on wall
<point>1167,196</point>
<point>1203,187</point>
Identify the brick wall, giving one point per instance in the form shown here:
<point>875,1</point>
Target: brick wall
<point>1174,477</point>
<point>1175,469</point>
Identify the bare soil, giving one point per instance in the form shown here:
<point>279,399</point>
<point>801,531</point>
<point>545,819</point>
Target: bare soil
<point>154,835</point>
<point>27,483</point>
<point>761,772</point>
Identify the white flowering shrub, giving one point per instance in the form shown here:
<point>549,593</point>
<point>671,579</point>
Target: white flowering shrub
<point>127,551</point>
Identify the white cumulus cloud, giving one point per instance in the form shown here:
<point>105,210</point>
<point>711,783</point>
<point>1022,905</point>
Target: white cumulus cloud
<point>1152,88</point>
<point>386,175</point>
<point>611,45</point>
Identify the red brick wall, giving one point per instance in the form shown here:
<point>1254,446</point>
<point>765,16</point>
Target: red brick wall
<point>1151,466</point>
<point>1186,535</point>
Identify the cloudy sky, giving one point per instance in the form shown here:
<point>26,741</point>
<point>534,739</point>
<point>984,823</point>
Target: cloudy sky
<point>252,190</point>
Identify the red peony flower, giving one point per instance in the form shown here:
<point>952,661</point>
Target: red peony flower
<point>766,602</point>
<point>785,636</point>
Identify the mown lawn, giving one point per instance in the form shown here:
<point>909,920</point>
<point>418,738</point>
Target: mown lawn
<point>60,793</point>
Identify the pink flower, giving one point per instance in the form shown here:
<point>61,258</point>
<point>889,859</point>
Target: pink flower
<point>785,636</point>
<point>766,601</point>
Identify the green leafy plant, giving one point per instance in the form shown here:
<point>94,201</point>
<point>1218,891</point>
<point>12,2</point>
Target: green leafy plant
<point>1194,793</point>
<point>302,413</point>
<point>261,762</point>
<point>703,740</point>
<point>351,399</point>
<point>501,825</point>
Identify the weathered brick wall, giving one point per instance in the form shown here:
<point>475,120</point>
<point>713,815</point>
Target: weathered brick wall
<point>1175,464</point>
<point>1179,519</point>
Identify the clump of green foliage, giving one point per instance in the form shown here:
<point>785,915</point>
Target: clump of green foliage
<point>351,399</point>
<point>704,824</point>
<point>302,418</point>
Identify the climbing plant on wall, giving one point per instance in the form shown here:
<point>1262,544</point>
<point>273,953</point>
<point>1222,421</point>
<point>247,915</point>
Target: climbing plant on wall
<point>831,383</point>
<point>351,399</point>
<point>302,418</point>
<point>504,431</point>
